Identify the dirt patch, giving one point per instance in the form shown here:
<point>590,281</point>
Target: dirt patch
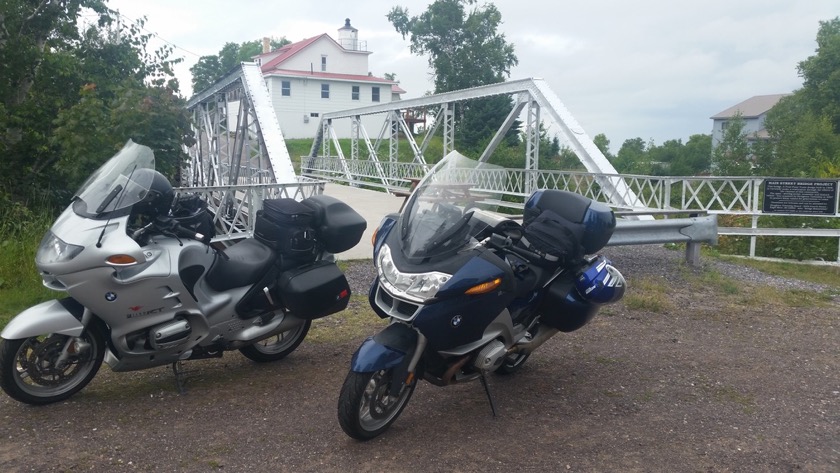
<point>699,372</point>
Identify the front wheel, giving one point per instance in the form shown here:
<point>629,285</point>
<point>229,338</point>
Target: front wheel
<point>277,346</point>
<point>32,370</point>
<point>365,406</point>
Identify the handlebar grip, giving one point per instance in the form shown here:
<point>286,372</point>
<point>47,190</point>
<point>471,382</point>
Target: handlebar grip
<point>187,233</point>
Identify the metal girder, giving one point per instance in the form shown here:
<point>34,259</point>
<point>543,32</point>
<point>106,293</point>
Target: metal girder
<point>539,103</point>
<point>238,137</point>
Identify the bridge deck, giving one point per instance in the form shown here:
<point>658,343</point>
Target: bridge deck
<point>372,205</point>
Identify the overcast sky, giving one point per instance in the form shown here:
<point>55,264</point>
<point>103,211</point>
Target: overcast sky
<point>654,69</point>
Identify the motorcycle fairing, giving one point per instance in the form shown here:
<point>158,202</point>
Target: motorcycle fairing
<point>55,316</point>
<point>384,350</point>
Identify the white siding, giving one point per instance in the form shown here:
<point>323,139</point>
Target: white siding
<point>295,110</point>
<point>339,61</point>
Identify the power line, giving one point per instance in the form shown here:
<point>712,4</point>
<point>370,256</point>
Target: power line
<point>157,35</point>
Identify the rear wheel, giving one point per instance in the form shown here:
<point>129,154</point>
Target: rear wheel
<point>365,407</point>
<point>32,371</point>
<point>277,346</point>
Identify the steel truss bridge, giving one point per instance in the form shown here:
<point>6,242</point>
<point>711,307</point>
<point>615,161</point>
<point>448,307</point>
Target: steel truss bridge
<point>240,157</point>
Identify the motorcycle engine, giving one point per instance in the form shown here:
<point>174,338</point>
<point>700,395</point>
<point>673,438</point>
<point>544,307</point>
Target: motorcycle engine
<point>491,356</point>
<point>169,334</point>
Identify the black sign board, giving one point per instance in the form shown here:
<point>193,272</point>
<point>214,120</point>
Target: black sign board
<point>800,196</point>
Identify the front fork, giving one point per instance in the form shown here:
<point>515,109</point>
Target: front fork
<point>398,347</point>
<point>75,345</point>
<point>405,372</point>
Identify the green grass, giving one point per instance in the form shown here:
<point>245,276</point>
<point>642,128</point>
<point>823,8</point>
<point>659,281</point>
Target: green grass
<point>648,295</point>
<point>820,274</point>
<point>20,284</point>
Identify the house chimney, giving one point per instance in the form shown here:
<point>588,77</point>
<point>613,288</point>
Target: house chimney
<point>348,37</point>
<point>266,45</point>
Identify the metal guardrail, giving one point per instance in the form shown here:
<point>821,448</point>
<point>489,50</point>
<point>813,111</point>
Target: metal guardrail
<point>692,231</point>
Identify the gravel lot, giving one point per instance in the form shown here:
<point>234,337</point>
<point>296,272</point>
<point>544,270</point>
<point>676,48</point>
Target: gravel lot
<point>721,368</point>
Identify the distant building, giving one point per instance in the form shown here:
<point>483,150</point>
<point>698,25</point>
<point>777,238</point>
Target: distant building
<point>753,111</point>
<point>320,75</point>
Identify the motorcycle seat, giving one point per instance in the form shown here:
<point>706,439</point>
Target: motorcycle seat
<point>242,264</point>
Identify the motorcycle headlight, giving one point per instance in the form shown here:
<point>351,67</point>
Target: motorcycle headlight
<point>54,250</point>
<point>416,287</point>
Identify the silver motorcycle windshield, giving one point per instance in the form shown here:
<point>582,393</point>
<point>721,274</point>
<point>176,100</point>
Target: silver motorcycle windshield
<point>116,185</point>
<point>437,218</point>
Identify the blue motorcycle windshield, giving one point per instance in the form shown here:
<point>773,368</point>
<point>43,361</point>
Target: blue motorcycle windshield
<point>117,185</point>
<point>438,217</point>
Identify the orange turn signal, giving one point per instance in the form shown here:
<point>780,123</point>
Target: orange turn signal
<point>373,238</point>
<point>484,287</point>
<point>121,260</point>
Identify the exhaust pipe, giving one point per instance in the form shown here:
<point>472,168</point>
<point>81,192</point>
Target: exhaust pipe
<point>542,335</point>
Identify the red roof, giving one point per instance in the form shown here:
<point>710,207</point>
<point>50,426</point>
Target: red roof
<point>289,50</point>
<point>327,75</point>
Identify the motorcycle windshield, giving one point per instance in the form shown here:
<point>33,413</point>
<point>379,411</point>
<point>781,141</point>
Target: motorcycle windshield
<point>116,185</point>
<point>437,218</point>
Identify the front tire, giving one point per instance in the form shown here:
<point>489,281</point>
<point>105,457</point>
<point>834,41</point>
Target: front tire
<point>30,370</point>
<point>277,346</point>
<point>365,409</point>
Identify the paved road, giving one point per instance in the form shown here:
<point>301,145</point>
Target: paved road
<point>372,205</point>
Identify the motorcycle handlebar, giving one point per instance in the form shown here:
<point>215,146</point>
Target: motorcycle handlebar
<point>506,243</point>
<point>186,233</point>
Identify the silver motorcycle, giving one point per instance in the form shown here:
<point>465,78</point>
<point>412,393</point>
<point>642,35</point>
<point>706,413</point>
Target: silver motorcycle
<point>146,288</point>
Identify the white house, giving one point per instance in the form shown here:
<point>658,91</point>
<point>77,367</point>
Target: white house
<point>753,111</point>
<point>319,75</point>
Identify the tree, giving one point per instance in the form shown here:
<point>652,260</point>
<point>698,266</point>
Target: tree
<point>72,97</point>
<point>732,156</point>
<point>801,144</point>
<point>632,157</point>
<point>821,74</point>
<point>464,50</point>
<point>211,68</point>
<point>694,157</point>
<point>603,144</point>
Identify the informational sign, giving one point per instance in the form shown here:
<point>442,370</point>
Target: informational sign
<point>800,196</point>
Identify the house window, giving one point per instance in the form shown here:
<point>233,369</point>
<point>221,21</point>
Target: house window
<point>723,125</point>
<point>325,91</point>
<point>355,93</point>
<point>286,88</point>
<point>314,115</point>
<point>374,94</point>
<point>323,63</point>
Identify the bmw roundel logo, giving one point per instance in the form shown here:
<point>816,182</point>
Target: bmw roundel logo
<point>456,321</point>
<point>110,296</point>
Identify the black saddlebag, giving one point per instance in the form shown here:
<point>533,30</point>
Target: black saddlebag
<point>565,226</point>
<point>315,290</point>
<point>337,226</point>
<point>563,307</point>
<point>285,226</point>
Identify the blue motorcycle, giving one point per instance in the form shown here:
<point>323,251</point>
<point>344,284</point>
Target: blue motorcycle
<point>469,291</point>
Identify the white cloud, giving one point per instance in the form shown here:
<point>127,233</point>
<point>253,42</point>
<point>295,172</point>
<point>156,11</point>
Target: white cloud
<point>650,68</point>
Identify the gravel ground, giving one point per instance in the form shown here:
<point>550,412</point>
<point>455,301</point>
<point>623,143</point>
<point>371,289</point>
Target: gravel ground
<point>697,369</point>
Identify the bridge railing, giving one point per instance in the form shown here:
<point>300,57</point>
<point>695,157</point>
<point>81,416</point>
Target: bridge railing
<point>738,196</point>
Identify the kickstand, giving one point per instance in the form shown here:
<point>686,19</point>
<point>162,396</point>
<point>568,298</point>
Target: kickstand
<point>180,379</point>
<point>489,396</point>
